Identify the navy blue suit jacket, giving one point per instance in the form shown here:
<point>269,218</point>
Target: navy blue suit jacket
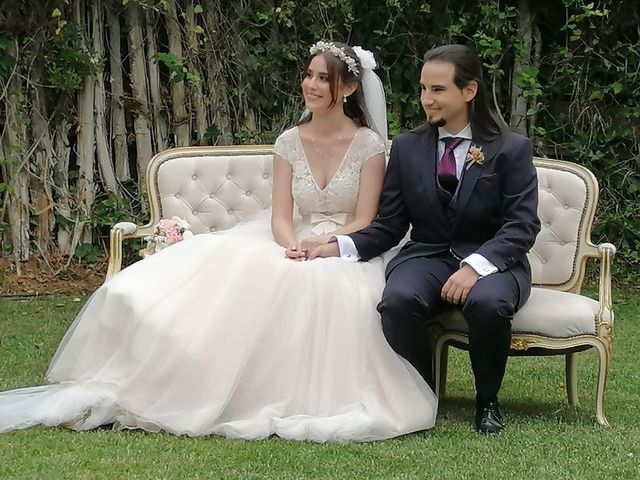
<point>494,211</point>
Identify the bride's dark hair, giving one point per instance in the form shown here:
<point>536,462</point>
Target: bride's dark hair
<point>338,70</point>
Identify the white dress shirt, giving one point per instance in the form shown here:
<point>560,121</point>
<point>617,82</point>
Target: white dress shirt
<point>480,264</point>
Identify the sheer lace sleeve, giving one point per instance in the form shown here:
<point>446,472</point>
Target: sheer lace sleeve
<point>372,144</point>
<point>285,145</point>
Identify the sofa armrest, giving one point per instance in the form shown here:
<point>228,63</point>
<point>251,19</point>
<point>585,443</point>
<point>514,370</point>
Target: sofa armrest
<point>607,251</point>
<point>119,232</point>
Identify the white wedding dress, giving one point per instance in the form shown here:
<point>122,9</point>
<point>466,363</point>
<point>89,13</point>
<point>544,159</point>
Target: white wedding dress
<point>221,334</point>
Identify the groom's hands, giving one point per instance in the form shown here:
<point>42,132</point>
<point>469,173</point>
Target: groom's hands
<point>330,249</point>
<point>459,285</point>
<point>314,247</point>
<point>311,243</point>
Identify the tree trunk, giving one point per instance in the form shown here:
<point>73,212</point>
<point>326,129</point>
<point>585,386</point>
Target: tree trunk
<point>245,117</point>
<point>85,146</point>
<point>181,117</point>
<point>103,148</point>
<point>537,52</point>
<point>519,104</point>
<point>4,192</point>
<point>217,48</point>
<point>197,95</point>
<point>63,200</point>
<point>140,96</point>
<point>43,166</point>
<point>159,117</point>
<point>118,122</point>
<point>13,146</point>
<point>221,49</point>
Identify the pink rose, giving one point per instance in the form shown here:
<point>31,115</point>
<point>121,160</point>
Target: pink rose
<point>173,236</point>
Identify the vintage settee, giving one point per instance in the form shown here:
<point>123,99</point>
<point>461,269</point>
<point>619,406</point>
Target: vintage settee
<point>214,188</point>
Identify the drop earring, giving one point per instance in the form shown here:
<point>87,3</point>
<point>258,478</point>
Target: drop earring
<point>344,99</point>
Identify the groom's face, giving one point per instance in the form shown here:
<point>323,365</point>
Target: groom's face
<point>444,103</point>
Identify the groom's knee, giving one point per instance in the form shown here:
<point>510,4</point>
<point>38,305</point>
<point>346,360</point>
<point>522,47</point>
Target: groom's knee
<point>488,312</point>
<point>400,303</point>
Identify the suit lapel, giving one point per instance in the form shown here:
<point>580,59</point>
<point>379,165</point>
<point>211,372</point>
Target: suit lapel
<point>470,175</point>
<point>428,163</point>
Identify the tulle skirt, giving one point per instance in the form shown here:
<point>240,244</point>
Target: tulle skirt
<point>221,334</point>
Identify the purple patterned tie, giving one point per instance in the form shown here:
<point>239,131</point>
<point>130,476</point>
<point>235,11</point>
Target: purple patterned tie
<point>447,166</point>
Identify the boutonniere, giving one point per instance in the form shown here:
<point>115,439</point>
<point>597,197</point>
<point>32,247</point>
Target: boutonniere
<point>474,156</point>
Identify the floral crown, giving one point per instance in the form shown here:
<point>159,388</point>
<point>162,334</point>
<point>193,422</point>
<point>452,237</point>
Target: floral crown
<point>336,51</point>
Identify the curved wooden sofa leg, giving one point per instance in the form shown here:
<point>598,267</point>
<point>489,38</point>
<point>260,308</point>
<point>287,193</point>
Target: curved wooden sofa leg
<point>441,364</point>
<point>571,378</point>
<point>603,370</point>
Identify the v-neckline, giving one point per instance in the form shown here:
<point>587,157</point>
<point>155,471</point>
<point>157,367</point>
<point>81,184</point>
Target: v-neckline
<point>340,165</point>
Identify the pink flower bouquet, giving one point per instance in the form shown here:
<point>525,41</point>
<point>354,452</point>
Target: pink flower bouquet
<point>167,232</point>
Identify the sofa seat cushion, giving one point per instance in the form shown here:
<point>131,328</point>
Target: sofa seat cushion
<point>549,313</point>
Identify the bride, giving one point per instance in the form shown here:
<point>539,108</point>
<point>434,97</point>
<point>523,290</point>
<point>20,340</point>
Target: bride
<point>237,335</point>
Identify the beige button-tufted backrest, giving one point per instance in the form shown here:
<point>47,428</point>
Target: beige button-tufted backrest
<point>213,188</point>
<point>568,194</point>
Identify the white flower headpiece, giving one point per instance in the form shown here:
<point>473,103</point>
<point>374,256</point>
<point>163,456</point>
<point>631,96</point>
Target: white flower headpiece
<point>336,51</point>
<point>366,58</point>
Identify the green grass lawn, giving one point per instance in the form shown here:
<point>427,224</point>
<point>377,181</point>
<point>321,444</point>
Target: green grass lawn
<point>545,438</point>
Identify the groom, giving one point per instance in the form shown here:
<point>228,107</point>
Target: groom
<point>468,189</point>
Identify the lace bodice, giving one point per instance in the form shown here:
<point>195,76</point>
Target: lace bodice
<point>341,193</point>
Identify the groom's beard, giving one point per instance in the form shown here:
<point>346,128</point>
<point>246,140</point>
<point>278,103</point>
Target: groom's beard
<point>437,123</point>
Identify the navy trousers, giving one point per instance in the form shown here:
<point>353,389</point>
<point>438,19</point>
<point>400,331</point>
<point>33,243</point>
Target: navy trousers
<point>412,297</point>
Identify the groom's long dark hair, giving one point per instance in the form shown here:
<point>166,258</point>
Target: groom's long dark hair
<point>485,122</point>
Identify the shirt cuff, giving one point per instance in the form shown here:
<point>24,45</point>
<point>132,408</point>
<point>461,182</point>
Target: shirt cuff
<point>481,265</point>
<point>348,250</point>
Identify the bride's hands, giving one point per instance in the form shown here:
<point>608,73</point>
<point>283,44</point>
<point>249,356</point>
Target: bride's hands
<point>296,253</point>
<point>302,250</point>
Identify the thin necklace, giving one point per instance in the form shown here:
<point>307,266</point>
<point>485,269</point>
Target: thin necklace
<point>324,155</point>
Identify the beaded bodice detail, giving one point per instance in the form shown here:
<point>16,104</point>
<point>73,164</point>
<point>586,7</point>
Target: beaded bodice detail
<point>341,193</point>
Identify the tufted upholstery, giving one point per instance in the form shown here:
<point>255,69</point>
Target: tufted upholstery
<point>564,202</point>
<point>214,188</point>
<point>214,193</point>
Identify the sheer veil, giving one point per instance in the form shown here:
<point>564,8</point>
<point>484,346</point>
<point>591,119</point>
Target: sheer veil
<point>373,92</point>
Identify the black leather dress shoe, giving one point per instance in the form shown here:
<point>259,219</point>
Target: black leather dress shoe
<point>489,419</point>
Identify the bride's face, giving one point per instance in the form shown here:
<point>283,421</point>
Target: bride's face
<point>316,86</point>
